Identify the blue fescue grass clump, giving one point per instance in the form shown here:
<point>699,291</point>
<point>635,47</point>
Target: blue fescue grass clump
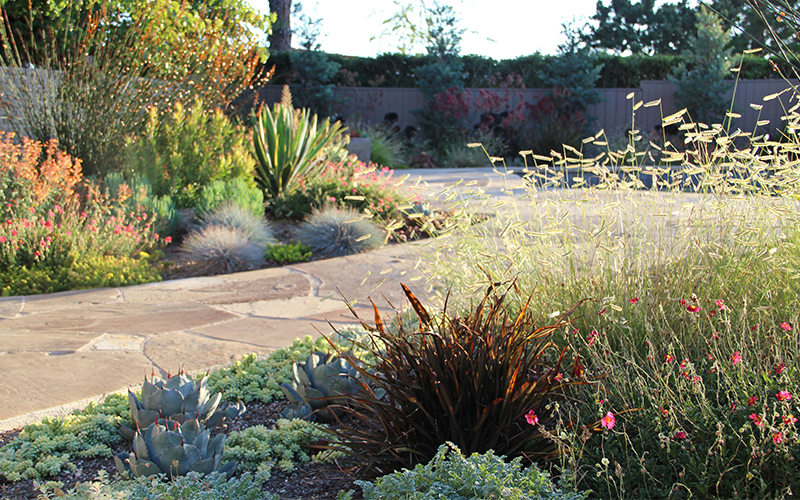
<point>234,216</point>
<point>333,232</point>
<point>220,250</point>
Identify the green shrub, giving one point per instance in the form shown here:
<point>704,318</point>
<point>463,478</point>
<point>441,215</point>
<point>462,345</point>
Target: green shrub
<point>183,153</point>
<point>334,232</point>
<point>481,380</point>
<point>450,475</point>
<point>219,250</point>
<point>260,449</point>
<point>135,194</point>
<point>231,215</point>
<point>288,253</point>
<point>192,486</point>
<point>366,189</point>
<point>46,448</point>
<point>385,147</point>
<point>215,193</point>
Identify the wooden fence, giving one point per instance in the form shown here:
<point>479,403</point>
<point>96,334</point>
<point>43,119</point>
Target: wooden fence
<point>371,105</point>
<point>614,112</point>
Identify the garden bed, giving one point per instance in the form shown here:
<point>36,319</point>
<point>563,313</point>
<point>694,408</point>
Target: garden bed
<point>307,480</point>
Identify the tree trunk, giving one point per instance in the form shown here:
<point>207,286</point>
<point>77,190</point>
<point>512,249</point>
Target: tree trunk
<point>281,37</point>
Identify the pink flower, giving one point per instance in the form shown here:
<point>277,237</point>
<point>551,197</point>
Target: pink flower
<point>783,396</point>
<point>601,312</point>
<point>532,418</point>
<point>333,198</point>
<point>634,300</point>
<point>721,305</point>
<point>608,422</point>
<point>751,401</point>
<point>2,239</point>
<point>779,369</point>
<point>680,435</point>
<point>168,240</point>
<point>13,232</point>
<point>786,326</point>
<point>757,419</point>
<point>789,419</point>
<point>777,438</point>
<point>591,338</point>
<point>559,377</point>
<point>693,308</point>
<point>668,358</point>
<point>736,358</point>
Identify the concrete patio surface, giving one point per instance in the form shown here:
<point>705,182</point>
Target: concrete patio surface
<point>58,352</point>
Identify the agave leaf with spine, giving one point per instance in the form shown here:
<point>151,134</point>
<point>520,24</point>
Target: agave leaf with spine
<point>321,385</point>
<point>175,450</point>
<point>180,398</point>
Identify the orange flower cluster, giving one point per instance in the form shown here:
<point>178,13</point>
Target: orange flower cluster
<point>42,168</point>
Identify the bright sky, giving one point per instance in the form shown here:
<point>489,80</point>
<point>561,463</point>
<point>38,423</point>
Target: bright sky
<point>501,29</point>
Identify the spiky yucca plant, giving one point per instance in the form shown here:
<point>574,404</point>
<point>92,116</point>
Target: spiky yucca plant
<point>220,250</point>
<point>233,216</point>
<point>333,232</point>
<point>482,381</point>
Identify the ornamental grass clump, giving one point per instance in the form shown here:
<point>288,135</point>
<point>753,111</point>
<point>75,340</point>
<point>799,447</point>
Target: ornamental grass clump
<point>231,215</point>
<point>693,272</point>
<point>483,380</point>
<point>221,250</point>
<point>334,232</point>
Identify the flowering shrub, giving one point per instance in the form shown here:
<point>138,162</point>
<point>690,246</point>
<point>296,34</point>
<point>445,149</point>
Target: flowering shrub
<point>366,189</point>
<point>49,241</point>
<point>34,175</point>
<point>716,416</point>
<point>62,236</point>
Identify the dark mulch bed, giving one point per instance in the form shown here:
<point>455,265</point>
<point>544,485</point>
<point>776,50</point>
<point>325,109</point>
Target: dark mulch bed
<point>307,481</point>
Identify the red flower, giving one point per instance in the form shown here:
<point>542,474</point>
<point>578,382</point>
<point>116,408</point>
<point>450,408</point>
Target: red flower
<point>608,422</point>
<point>693,308</point>
<point>783,396</point>
<point>634,300</point>
<point>680,435</point>
<point>751,401</point>
<point>757,419</point>
<point>780,368</point>
<point>736,358</point>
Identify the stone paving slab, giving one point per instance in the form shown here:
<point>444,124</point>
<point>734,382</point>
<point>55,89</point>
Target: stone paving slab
<point>36,381</point>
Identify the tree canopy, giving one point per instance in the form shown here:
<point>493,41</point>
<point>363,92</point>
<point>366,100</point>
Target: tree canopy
<point>640,27</point>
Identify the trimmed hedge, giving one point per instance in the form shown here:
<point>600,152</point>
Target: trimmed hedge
<point>397,70</point>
